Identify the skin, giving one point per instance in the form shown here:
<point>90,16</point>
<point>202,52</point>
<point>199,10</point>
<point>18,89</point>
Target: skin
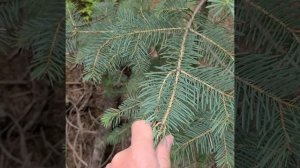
<point>141,153</point>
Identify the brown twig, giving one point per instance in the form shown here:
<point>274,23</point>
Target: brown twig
<point>75,153</point>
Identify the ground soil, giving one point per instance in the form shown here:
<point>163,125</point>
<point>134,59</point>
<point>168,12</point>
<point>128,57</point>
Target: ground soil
<point>85,136</point>
<point>42,126</point>
<point>31,116</point>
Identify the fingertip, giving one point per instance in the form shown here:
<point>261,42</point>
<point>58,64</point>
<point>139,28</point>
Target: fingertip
<point>141,127</point>
<point>139,123</point>
<point>166,142</point>
<point>170,140</point>
<point>141,134</point>
<point>163,151</point>
<point>108,166</point>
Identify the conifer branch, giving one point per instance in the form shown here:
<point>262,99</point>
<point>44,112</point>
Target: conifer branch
<point>50,54</point>
<point>190,141</point>
<point>98,55</point>
<point>206,84</point>
<point>180,58</point>
<point>225,148</point>
<point>275,98</point>
<point>214,43</point>
<point>171,90</point>
<point>128,108</point>
<point>225,109</point>
<point>135,32</point>
<point>150,31</point>
<point>161,87</point>
<point>94,31</point>
<point>71,18</point>
<point>283,125</point>
<point>265,12</point>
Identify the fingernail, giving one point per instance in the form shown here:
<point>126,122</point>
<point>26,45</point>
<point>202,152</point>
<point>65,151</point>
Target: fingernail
<point>169,140</point>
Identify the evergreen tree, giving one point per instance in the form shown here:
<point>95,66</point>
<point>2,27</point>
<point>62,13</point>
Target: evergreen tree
<point>181,63</point>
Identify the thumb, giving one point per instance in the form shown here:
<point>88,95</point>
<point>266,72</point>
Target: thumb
<point>163,152</point>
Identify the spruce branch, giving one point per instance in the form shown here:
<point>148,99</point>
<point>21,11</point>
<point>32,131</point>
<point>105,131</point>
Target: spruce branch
<point>276,19</point>
<point>162,86</point>
<point>93,70</point>
<point>50,55</point>
<point>172,89</point>
<point>180,57</point>
<point>206,84</point>
<point>190,141</point>
<point>231,55</point>
<point>263,92</point>
<point>266,84</point>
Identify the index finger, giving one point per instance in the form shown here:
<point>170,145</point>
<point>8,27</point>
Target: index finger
<point>142,138</point>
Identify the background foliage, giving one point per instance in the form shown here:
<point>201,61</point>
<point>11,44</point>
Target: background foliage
<point>267,84</point>
<point>38,31</point>
<point>32,51</point>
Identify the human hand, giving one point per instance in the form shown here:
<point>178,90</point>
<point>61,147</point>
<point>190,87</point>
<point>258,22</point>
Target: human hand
<point>141,153</point>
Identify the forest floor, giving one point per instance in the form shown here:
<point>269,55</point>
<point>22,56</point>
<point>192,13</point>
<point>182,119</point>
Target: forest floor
<point>31,116</point>
<point>85,136</point>
<point>32,121</point>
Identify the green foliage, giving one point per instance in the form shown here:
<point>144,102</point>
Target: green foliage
<point>113,84</point>
<point>267,80</point>
<point>43,34</point>
<point>186,91</point>
<point>85,7</point>
<point>222,8</point>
